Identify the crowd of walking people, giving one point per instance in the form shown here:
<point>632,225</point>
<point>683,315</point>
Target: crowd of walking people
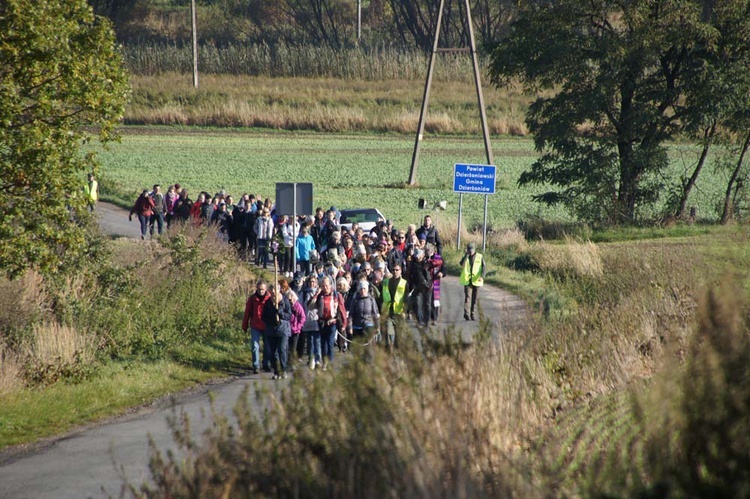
<point>335,284</point>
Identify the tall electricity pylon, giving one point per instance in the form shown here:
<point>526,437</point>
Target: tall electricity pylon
<point>472,50</point>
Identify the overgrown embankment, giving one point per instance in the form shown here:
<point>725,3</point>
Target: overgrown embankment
<point>636,382</point>
<point>137,321</point>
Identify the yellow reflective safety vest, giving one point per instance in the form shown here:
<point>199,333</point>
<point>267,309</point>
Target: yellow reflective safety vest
<point>472,275</point>
<point>398,300</point>
<point>91,189</point>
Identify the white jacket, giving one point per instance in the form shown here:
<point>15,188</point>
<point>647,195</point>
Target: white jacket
<point>264,228</point>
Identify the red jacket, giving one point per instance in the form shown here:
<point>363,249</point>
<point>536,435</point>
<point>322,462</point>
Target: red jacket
<point>143,206</point>
<point>331,308</point>
<point>253,311</point>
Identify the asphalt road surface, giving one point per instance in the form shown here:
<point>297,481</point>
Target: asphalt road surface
<point>92,461</point>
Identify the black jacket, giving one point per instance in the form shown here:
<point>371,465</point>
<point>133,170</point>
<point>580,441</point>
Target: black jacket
<point>420,279</point>
<point>277,320</point>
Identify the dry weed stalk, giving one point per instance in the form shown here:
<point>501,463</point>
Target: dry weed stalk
<point>11,369</point>
<point>52,343</point>
<point>511,238</point>
<point>572,258</point>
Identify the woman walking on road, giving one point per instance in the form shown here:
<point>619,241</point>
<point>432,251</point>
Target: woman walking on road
<point>330,309</point>
<point>143,207</point>
<point>277,315</point>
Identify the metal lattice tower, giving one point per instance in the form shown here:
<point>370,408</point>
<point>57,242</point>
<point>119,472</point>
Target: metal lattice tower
<point>472,50</point>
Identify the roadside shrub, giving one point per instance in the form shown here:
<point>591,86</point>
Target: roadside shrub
<point>57,352</point>
<point>434,425</point>
<point>569,260</point>
<point>185,291</point>
<point>698,419</point>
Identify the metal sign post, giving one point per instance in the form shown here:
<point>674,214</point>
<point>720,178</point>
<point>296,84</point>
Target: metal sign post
<point>294,199</point>
<point>473,179</point>
<point>484,225</point>
<point>294,232</point>
<point>460,214</point>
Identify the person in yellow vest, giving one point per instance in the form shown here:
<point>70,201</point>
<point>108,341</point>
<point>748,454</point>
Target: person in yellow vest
<point>472,278</point>
<point>395,290</point>
<point>92,191</point>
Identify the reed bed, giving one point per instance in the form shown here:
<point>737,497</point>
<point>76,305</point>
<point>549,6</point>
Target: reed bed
<point>281,60</point>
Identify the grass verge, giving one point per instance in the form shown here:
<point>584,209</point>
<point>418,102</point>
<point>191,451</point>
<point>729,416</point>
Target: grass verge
<point>34,413</point>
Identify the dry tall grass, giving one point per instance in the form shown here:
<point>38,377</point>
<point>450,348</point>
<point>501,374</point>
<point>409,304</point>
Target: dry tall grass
<point>11,370</point>
<point>573,259</point>
<point>509,239</point>
<point>450,424</point>
<point>52,343</point>
<point>21,302</point>
<point>324,104</point>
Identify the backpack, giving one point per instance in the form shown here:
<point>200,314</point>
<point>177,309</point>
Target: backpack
<point>312,314</point>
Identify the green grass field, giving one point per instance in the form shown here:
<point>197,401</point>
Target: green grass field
<point>357,170</point>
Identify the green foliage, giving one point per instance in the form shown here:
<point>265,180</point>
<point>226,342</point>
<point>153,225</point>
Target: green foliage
<point>623,77</point>
<point>59,72</point>
<point>705,450</point>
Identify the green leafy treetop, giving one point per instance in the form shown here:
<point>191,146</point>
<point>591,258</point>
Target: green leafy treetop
<point>62,83</point>
<point>614,81</point>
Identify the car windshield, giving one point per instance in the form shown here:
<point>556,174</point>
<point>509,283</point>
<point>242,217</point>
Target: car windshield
<point>359,216</point>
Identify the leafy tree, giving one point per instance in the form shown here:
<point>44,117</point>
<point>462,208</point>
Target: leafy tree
<point>717,99</point>
<point>616,77</point>
<point>59,73</point>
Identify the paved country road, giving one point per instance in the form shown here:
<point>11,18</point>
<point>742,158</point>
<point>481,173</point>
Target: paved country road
<point>90,462</point>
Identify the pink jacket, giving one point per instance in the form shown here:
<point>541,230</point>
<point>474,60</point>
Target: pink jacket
<point>298,317</point>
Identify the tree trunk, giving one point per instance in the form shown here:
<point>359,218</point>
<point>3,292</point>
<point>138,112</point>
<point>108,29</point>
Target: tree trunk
<point>726,216</point>
<point>708,138</point>
<point>628,189</point>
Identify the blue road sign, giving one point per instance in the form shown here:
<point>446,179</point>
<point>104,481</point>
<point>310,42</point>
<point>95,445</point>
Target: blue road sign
<point>474,179</point>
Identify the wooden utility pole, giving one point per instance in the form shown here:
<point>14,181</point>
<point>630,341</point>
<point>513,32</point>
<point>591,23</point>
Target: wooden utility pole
<point>359,21</point>
<point>472,50</point>
<point>195,43</point>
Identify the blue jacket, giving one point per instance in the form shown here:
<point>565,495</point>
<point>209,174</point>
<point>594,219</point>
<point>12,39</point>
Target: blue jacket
<point>305,244</point>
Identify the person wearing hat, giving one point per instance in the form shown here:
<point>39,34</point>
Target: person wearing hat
<point>364,315</point>
<point>472,278</point>
<point>395,291</point>
<point>421,240</point>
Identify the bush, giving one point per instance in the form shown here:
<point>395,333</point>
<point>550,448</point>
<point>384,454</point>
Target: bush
<point>153,300</point>
<point>537,228</point>
<point>434,425</point>
<point>698,422</point>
